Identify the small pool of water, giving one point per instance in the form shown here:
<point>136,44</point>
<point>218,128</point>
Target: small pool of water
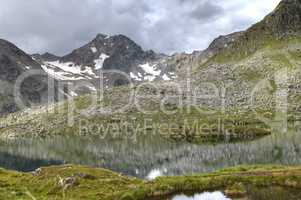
<point>252,193</point>
<point>203,196</point>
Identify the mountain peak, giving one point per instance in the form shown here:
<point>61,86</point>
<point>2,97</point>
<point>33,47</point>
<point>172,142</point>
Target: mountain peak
<point>117,52</point>
<point>13,63</point>
<point>288,3</point>
<point>102,40</point>
<point>50,56</point>
<point>285,19</point>
<point>101,36</point>
<point>12,54</point>
<point>46,57</point>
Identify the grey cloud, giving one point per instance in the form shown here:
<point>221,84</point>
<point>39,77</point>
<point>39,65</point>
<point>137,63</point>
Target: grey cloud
<point>207,10</point>
<point>166,26</point>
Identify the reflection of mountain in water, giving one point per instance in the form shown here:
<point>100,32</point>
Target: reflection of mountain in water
<point>152,152</point>
<point>20,163</point>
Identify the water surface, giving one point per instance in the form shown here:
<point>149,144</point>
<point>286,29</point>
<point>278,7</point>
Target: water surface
<point>150,156</point>
<point>203,196</point>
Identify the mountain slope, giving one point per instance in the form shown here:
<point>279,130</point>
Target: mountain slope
<point>13,63</point>
<point>261,66</point>
<point>102,54</point>
<point>283,23</point>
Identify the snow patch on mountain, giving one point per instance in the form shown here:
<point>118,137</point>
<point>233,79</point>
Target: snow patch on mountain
<point>99,62</point>
<point>73,68</point>
<point>73,94</point>
<point>68,71</point>
<point>166,78</point>
<point>54,74</point>
<point>150,69</point>
<point>151,72</point>
<point>59,74</point>
<point>91,88</point>
<point>149,78</point>
<point>93,49</point>
<point>135,77</point>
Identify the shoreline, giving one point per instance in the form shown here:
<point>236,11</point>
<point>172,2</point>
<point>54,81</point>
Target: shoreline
<point>80,182</point>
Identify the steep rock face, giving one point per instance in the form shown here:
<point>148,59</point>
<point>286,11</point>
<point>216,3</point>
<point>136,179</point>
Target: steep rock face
<point>285,20</point>
<point>13,63</point>
<point>121,53</point>
<point>223,42</point>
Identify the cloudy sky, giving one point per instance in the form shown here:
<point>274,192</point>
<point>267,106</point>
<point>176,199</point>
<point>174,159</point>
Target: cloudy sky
<point>167,26</point>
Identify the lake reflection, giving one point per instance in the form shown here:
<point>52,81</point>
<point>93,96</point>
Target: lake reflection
<point>150,154</point>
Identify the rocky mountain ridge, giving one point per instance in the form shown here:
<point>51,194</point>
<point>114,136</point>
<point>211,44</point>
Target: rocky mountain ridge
<point>105,53</point>
<point>13,63</point>
<point>46,57</point>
